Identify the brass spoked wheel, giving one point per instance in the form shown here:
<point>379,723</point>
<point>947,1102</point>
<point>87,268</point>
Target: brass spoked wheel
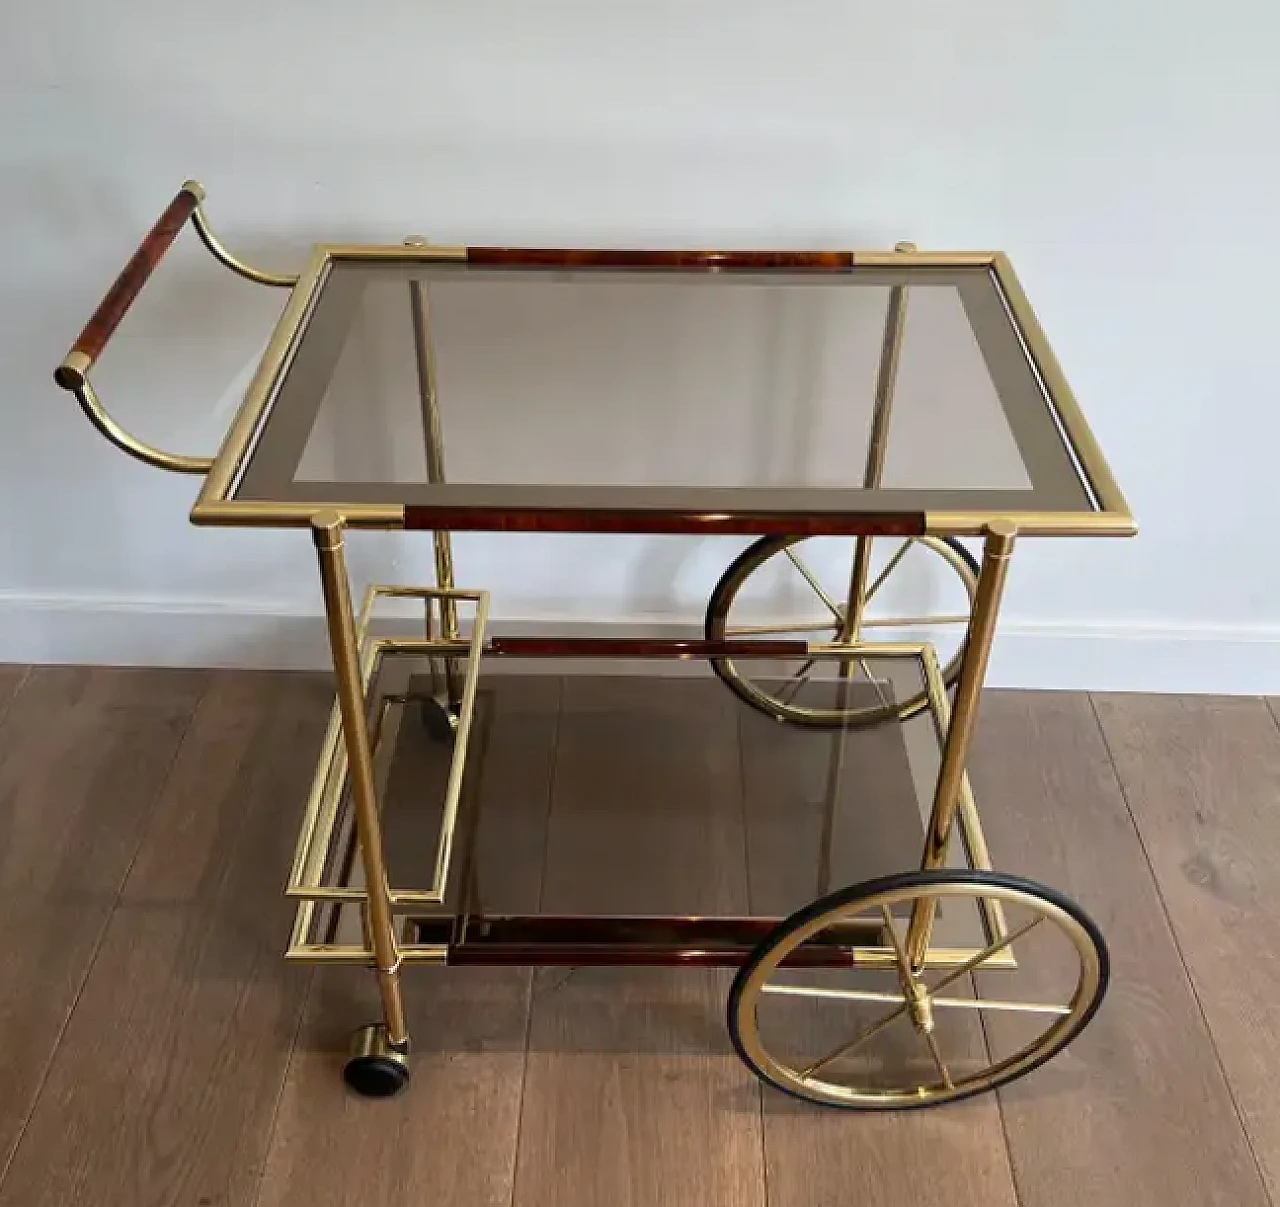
<point>918,589</point>
<point>877,1034</point>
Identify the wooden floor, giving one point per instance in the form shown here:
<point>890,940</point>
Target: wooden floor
<point>155,1050</point>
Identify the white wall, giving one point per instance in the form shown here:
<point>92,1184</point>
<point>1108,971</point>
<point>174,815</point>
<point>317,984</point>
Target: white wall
<point>1123,154</point>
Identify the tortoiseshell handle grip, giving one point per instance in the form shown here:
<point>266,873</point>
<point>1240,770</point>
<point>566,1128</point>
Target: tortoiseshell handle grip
<point>126,287</point>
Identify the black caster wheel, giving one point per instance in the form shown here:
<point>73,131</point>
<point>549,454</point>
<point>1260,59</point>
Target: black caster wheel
<point>375,1069</point>
<point>440,719</point>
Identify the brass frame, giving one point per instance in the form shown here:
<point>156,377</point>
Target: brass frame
<point>323,840</point>
<point>73,373</point>
<point>347,759</point>
<point>320,831</point>
<point>216,506</point>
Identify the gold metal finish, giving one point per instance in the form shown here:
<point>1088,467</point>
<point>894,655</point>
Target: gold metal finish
<point>211,507</point>
<point>1032,523</point>
<point>72,373</point>
<point>294,515</point>
<point>320,829</point>
<point>217,504</point>
<point>775,701</point>
<point>220,252</point>
<point>327,534</point>
<point>975,842</point>
<point>1096,471</point>
<point>973,671</point>
<point>428,253</point>
<point>922,259</point>
<point>90,404</point>
<point>342,809</point>
<point>825,1079</point>
<point>372,1041</point>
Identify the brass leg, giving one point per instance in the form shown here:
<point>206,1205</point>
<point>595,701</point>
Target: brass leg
<point>433,441</point>
<point>327,532</point>
<point>982,626</point>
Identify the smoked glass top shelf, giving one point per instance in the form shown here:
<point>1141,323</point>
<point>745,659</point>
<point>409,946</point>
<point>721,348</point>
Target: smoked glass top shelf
<point>662,392</point>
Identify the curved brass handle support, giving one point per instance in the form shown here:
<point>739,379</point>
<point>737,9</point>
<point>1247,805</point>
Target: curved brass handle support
<point>219,251</point>
<point>73,373</point>
<point>97,415</point>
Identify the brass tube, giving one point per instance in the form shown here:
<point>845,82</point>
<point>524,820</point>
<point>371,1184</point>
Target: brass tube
<point>951,774</point>
<point>327,530</point>
<point>1076,429</point>
<point>98,416</point>
<point>219,251</point>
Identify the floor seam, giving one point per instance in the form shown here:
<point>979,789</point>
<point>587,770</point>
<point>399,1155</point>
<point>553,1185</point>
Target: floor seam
<point>751,908</point>
<point>273,1126</point>
<point>91,964</point>
<point>1177,946</point>
<point>23,680</point>
<point>533,972</point>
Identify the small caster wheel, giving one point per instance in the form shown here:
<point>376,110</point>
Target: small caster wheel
<point>375,1069</point>
<point>439,718</point>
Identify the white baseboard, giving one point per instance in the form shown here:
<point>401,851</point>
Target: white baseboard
<point>135,632</point>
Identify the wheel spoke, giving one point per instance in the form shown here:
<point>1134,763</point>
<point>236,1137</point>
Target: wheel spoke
<point>875,683</point>
<point>985,954</point>
<point>890,566</point>
<point>896,999</point>
<point>932,1041</point>
<point>901,622</point>
<point>809,577</point>
<point>841,995</point>
<point>856,1042</point>
<point>755,630</point>
<point>800,678</point>
<point>899,952</point>
<point>982,1003</point>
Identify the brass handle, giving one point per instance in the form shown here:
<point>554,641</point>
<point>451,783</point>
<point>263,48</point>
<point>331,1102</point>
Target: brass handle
<point>72,373</point>
<point>126,287</point>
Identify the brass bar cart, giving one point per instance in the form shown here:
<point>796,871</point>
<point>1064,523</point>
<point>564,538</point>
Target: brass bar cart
<point>884,426</point>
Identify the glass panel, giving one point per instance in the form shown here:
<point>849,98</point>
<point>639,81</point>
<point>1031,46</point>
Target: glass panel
<point>751,383</point>
<point>653,793</point>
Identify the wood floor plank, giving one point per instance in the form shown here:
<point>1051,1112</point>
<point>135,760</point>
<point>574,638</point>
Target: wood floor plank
<point>451,1137</point>
<point>633,1096</point>
<point>1136,1112</point>
<point>165,1083</point>
<point>11,680</point>
<point>83,756</point>
<point>1202,777</point>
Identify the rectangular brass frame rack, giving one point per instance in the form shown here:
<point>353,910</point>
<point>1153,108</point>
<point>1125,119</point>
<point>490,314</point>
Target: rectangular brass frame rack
<point>217,504</point>
<point>322,832</point>
<point>321,829</point>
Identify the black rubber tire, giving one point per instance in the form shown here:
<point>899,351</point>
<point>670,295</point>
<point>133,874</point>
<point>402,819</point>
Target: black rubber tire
<point>756,554</point>
<point>376,1076</point>
<point>908,880</point>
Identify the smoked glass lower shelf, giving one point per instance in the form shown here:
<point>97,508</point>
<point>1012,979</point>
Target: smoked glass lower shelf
<point>633,818</point>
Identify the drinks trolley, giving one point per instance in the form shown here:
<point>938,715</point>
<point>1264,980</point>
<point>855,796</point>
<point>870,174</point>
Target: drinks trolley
<point>614,392</point>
